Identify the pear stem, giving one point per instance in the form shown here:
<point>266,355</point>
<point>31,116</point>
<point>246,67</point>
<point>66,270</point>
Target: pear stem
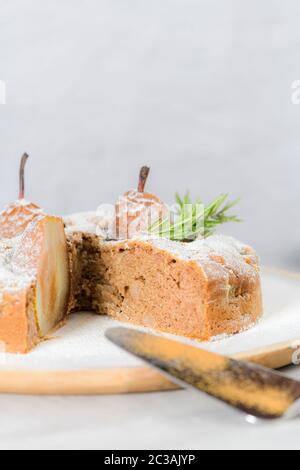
<point>144,173</point>
<point>22,176</point>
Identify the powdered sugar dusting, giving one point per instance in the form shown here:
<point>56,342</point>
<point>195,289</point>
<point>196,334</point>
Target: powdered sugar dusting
<point>10,280</point>
<point>16,216</point>
<point>220,256</point>
<point>90,222</point>
<point>81,222</point>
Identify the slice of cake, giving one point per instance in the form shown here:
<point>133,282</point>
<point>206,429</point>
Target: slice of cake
<point>200,290</point>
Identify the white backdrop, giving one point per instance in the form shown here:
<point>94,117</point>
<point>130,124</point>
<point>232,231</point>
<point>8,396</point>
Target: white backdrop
<point>198,89</point>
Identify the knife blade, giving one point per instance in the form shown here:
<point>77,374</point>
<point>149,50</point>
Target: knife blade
<point>257,391</point>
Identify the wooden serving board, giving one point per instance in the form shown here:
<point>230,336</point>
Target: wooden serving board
<point>79,360</point>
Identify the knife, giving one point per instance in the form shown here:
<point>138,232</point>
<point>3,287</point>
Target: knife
<point>257,391</point>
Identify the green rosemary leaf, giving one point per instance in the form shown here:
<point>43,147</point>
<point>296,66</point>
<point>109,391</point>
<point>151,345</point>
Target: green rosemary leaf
<point>193,220</point>
<point>179,200</point>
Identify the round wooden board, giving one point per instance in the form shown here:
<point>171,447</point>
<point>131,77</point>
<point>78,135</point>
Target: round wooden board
<point>84,382</point>
<point>109,381</point>
<point>112,379</point>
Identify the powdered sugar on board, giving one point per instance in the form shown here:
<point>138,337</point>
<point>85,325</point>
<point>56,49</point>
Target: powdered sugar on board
<point>81,343</point>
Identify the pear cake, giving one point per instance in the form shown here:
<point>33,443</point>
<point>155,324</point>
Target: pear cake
<point>50,268</point>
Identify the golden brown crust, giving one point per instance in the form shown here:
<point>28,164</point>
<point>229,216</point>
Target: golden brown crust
<point>18,331</point>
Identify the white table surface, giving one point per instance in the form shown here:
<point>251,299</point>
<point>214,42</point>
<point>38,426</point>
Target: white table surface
<point>168,420</point>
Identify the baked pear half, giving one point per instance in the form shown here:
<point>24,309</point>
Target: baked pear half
<point>36,302</point>
<point>34,272</point>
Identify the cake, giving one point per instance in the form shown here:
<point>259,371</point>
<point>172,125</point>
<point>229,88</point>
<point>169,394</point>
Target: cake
<point>50,268</point>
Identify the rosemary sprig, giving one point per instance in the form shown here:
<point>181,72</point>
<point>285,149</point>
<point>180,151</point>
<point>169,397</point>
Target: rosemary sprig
<point>193,220</point>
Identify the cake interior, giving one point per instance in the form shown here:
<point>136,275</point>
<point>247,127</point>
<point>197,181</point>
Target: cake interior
<point>136,282</point>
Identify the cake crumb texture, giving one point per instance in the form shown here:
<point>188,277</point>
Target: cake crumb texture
<point>200,290</point>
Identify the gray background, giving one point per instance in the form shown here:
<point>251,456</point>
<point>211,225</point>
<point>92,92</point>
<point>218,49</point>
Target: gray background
<point>198,89</point>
